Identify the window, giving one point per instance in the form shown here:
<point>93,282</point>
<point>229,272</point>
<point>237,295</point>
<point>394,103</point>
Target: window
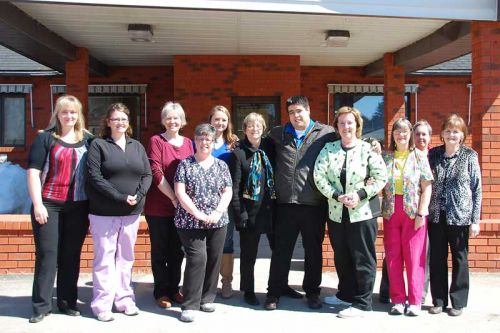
<point>102,95</point>
<point>268,107</point>
<point>12,120</point>
<point>371,107</point>
<point>98,104</point>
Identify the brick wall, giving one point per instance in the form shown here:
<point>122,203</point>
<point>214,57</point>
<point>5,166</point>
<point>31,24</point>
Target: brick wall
<point>438,97</point>
<point>394,102</point>
<point>201,82</point>
<point>160,90</point>
<point>314,81</point>
<point>17,248</point>
<point>484,251</point>
<point>486,106</point>
<point>41,112</point>
<point>160,82</point>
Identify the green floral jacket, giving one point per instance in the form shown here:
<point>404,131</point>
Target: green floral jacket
<point>361,162</point>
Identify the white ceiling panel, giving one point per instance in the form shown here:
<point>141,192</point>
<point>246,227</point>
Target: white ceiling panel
<point>103,30</point>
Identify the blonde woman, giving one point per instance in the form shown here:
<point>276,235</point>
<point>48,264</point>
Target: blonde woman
<point>56,183</point>
<point>220,119</point>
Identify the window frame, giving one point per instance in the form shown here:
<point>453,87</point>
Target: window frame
<point>137,129</point>
<point>2,130</point>
<point>276,100</point>
<point>408,103</point>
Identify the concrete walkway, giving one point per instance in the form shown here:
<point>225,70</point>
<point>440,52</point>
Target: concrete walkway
<point>233,315</point>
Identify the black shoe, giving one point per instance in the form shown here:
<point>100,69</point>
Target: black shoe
<point>36,318</point>
<point>250,298</point>
<point>70,312</point>
<point>66,309</point>
<point>455,312</point>
<point>314,302</point>
<point>292,293</point>
<point>436,310</point>
<point>271,303</point>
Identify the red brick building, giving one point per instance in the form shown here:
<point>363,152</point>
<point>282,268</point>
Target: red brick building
<point>252,56</point>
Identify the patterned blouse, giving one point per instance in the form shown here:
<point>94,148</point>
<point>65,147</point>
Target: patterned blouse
<point>415,170</point>
<point>457,186</point>
<point>205,188</point>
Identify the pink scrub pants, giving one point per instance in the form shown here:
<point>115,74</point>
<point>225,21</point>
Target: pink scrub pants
<point>404,247</point>
<point>114,240</point>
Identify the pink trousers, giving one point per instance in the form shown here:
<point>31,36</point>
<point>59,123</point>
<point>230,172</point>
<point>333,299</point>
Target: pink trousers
<point>404,247</point>
<point>114,240</point>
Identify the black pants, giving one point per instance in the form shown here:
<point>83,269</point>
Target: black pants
<point>249,244</point>
<point>58,246</point>
<point>440,235</point>
<point>384,282</point>
<point>290,220</point>
<point>166,255</point>
<point>355,260</point>
<point>203,256</point>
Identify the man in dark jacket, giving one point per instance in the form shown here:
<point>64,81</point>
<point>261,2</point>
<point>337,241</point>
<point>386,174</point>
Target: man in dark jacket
<point>300,206</point>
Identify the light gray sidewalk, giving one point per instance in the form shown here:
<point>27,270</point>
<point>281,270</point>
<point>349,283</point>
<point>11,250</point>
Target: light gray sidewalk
<point>482,315</point>
<point>233,315</point>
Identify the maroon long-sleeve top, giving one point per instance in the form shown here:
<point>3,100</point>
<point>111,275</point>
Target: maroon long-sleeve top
<point>164,159</point>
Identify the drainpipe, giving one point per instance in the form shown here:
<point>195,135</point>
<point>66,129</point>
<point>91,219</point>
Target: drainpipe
<point>469,85</point>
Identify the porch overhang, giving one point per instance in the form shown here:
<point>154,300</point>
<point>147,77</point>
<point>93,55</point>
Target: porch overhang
<point>24,35</point>
<point>443,9</point>
<point>449,42</point>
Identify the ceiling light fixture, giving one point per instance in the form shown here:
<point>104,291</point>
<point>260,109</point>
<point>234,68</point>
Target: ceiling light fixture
<point>337,38</point>
<point>140,32</point>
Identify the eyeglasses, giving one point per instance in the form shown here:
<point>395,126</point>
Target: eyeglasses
<point>204,139</point>
<point>401,132</point>
<point>255,126</point>
<point>119,120</point>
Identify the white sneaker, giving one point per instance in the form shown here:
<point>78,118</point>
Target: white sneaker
<point>351,312</point>
<point>333,300</point>
<point>413,310</point>
<point>188,316</point>
<point>105,316</point>
<point>131,311</point>
<point>397,309</point>
<point>207,307</point>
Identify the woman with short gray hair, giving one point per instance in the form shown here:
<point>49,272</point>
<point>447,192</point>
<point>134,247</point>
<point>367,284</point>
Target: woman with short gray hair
<point>165,151</point>
<point>203,187</point>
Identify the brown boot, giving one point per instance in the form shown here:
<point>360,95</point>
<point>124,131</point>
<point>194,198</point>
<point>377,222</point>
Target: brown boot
<point>226,270</point>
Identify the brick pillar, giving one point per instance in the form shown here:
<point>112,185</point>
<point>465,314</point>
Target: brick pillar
<point>77,78</point>
<point>394,94</point>
<point>485,120</point>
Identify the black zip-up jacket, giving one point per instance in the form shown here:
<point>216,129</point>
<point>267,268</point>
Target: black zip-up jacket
<point>115,174</point>
<point>293,173</point>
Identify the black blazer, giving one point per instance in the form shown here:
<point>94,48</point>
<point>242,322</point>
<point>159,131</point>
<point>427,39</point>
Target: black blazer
<point>249,214</point>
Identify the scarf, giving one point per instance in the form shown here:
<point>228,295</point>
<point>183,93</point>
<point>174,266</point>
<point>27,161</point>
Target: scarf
<point>252,190</point>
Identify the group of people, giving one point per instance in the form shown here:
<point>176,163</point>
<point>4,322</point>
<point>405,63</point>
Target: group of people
<point>297,179</point>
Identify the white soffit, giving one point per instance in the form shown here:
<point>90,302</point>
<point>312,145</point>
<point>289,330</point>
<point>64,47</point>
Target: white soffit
<point>103,31</point>
<point>440,9</point>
